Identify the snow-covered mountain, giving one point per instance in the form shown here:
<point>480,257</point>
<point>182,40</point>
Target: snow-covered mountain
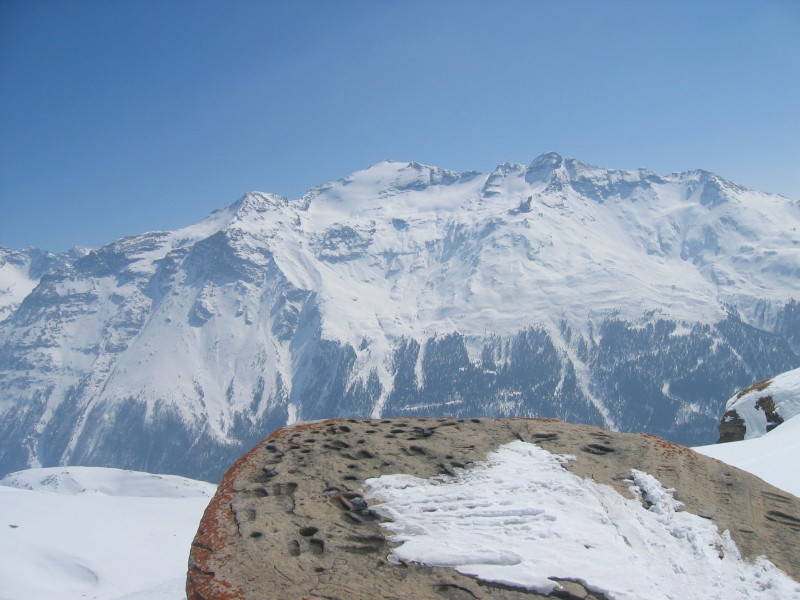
<point>21,270</point>
<point>619,298</point>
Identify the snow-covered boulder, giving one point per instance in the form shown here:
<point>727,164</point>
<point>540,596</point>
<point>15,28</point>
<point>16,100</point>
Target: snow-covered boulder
<point>432,508</point>
<point>761,407</point>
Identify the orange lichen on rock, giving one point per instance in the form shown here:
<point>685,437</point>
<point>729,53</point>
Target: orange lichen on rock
<point>667,448</point>
<point>212,539</point>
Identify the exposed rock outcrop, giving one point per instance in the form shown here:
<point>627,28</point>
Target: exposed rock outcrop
<point>289,520</point>
<point>731,428</point>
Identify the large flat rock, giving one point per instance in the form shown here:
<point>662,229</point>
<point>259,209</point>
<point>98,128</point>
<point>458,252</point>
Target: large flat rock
<point>289,521</point>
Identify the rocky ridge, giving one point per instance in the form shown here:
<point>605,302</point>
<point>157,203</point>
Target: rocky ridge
<point>290,520</point>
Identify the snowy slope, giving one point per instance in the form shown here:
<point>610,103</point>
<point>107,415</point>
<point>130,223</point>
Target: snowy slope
<point>593,241</point>
<point>97,533</point>
<point>15,281</point>
<point>21,270</point>
<point>772,457</point>
<point>620,298</point>
<point>521,519</point>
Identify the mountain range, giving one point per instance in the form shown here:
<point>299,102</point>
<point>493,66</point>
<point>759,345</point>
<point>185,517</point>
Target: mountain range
<point>624,299</point>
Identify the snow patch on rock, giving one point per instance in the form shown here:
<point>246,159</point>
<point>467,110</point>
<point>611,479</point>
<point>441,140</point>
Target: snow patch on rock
<point>523,520</point>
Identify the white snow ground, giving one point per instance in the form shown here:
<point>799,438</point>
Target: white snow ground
<point>95,533</point>
<point>772,457</point>
<point>521,518</point>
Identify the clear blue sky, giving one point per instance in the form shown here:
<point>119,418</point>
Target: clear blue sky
<point>118,117</point>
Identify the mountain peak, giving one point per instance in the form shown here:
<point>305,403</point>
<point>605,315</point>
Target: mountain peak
<point>544,166</point>
<point>391,177</point>
<point>551,159</point>
<point>257,202</point>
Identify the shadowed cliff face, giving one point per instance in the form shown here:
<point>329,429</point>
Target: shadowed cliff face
<point>291,520</point>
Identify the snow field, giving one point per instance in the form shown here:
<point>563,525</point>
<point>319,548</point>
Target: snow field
<point>94,533</point>
<point>772,457</point>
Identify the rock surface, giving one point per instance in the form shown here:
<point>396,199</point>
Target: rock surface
<point>289,521</point>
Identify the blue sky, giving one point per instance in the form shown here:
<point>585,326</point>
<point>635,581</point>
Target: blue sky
<point>127,116</point>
